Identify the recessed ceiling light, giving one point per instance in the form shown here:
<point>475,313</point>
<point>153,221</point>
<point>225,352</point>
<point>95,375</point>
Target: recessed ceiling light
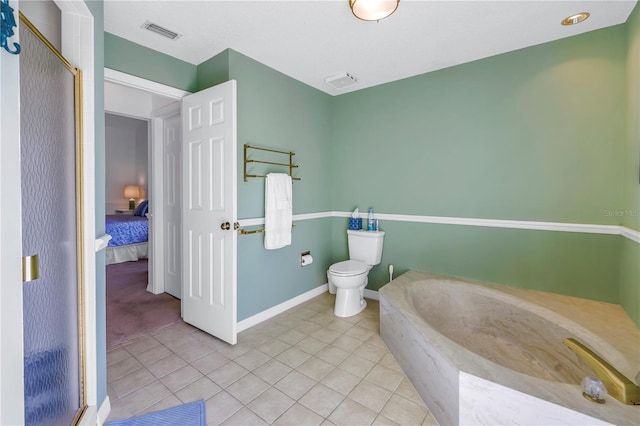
<point>341,81</point>
<point>155,28</point>
<point>575,19</point>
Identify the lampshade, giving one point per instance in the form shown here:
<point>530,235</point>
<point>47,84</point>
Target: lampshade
<point>373,10</point>
<point>132,191</point>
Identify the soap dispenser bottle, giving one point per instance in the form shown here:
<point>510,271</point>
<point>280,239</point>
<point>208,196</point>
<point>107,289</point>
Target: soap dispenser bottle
<point>371,225</point>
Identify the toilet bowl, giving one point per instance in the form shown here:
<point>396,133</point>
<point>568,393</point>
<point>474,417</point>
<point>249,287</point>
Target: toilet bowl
<point>347,281</point>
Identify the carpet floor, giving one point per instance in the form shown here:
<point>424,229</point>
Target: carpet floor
<point>131,310</point>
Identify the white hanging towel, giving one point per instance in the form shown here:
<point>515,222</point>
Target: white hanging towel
<point>278,210</point>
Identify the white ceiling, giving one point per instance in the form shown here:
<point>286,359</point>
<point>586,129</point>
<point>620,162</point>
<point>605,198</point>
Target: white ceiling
<point>310,40</point>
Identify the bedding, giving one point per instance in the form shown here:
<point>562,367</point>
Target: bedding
<point>125,229</point>
<point>142,209</point>
<point>129,236</point>
<point>128,253</point>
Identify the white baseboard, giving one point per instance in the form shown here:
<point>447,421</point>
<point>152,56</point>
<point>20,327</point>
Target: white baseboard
<point>371,294</point>
<point>104,411</point>
<point>282,307</point>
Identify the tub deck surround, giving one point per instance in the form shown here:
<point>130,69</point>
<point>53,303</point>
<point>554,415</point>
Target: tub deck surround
<point>483,353</point>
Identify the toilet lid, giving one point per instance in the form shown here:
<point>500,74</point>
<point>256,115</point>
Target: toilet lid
<point>349,267</point>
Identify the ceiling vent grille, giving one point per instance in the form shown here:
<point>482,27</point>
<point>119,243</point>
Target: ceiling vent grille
<point>155,28</point>
<point>341,81</point>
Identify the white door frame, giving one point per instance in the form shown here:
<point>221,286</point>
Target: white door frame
<point>156,174</point>
<point>156,170</point>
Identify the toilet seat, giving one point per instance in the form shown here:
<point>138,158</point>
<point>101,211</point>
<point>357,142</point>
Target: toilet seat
<point>348,268</point>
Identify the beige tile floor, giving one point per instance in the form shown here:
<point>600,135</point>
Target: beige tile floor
<point>303,367</point>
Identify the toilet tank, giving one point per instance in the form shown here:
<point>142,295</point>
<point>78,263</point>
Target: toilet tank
<point>365,246</point>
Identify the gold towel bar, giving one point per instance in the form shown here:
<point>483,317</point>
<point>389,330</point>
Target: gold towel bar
<point>254,231</point>
<point>270,162</point>
<point>290,164</point>
<point>263,176</point>
<point>270,150</point>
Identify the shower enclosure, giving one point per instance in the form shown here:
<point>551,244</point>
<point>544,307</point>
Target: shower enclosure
<point>51,166</point>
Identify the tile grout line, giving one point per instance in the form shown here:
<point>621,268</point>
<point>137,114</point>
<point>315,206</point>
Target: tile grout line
<point>286,325</point>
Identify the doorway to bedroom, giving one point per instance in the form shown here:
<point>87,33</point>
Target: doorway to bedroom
<point>126,188</point>
<point>136,298</point>
<point>131,310</point>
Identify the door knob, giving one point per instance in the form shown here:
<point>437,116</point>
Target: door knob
<point>225,226</point>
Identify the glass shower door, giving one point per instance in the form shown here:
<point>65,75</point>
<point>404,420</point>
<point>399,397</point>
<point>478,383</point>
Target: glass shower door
<point>50,198</point>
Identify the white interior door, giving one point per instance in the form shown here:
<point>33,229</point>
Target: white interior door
<point>172,205</point>
<point>209,210</point>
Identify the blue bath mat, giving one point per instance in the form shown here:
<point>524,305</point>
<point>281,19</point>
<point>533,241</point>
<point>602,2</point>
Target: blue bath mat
<point>191,414</point>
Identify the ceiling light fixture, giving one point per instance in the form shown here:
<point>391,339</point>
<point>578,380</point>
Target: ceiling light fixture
<point>373,10</point>
<point>575,19</point>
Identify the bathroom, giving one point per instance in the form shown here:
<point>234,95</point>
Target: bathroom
<point>519,168</point>
<point>441,150</point>
<point>543,134</point>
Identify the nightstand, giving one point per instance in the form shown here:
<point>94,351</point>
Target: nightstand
<point>125,211</point>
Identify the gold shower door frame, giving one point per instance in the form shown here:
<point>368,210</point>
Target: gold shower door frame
<point>77,73</point>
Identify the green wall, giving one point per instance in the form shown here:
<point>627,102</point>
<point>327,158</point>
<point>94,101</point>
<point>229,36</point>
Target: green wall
<point>631,217</point>
<point>131,58</point>
<point>630,279</point>
<point>536,134</point>
<point>584,265</point>
<point>630,255</point>
<point>527,135</point>
<point>275,111</point>
<point>213,71</point>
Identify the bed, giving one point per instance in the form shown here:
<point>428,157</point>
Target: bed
<point>129,236</point>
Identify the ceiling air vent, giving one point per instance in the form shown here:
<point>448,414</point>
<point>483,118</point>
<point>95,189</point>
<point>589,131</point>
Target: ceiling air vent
<point>341,81</point>
<point>155,28</point>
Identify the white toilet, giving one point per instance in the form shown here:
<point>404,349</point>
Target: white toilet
<point>348,279</point>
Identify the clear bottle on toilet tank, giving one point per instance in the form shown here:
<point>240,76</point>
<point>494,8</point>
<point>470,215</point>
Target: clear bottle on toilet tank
<point>371,223</point>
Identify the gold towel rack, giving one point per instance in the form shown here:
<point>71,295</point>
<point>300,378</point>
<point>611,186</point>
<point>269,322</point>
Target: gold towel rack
<point>254,231</point>
<point>290,165</point>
